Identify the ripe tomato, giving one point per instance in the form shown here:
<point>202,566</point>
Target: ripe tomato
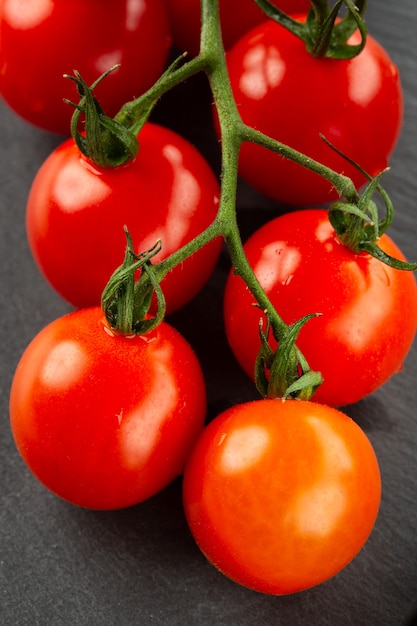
<point>76,212</point>
<point>106,421</point>
<point>237,18</point>
<point>40,41</point>
<point>281,90</point>
<point>280,496</point>
<point>368,309</point>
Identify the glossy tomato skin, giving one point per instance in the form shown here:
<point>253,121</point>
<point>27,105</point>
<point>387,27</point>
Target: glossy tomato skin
<point>280,496</point>
<point>41,41</point>
<point>368,310</point>
<point>281,90</point>
<point>76,212</point>
<point>106,421</point>
<point>237,18</point>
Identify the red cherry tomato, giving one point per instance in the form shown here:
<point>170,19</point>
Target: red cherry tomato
<point>237,18</point>
<point>76,212</point>
<point>368,310</point>
<point>40,41</point>
<point>280,496</point>
<point>106,421</point>
<point>281,90</point>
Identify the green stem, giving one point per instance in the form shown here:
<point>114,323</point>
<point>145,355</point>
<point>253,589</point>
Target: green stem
<point>134,114</point>
<point>342,184</point>
<point>233,133</point>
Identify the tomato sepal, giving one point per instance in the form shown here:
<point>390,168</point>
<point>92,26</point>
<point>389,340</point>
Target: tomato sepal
<point>324,33</point>
<point>359,227</point>
<point>106,142</point>
<point>111,142</point>
<point>377,252</point>
<point>284,372</point>
<point>126,302</point>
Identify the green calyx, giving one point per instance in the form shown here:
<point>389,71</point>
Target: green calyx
<point>125,301</point>
<point>105,141</point>
<point>284,372</point>
<point>110,142</point>
<point>359,227</point>
<point>325,32</point>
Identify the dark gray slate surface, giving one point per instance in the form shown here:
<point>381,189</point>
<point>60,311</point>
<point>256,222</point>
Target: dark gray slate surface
<point>63,566</point>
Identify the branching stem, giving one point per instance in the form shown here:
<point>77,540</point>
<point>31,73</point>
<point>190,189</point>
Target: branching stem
<point>233,133</point>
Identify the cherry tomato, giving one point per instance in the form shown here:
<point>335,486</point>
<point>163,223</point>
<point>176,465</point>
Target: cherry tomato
<point>106,421</point>
<point>281,90</point>
<point>280,496</point>
<point>368,310</point>
<point>237,18</point>
<point>40,41</point>
<point>76,212</point>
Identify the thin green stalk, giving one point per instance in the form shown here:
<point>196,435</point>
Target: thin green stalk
<point>133,114</point>
<point>342,184</point>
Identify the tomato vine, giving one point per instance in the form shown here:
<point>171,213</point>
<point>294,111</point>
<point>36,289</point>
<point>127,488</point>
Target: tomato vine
<point>114,141</point>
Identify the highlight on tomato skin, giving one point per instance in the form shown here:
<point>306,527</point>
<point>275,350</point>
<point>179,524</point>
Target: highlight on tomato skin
<point>102,420</point>
<point>281,496</point>
<point>361,337</point>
